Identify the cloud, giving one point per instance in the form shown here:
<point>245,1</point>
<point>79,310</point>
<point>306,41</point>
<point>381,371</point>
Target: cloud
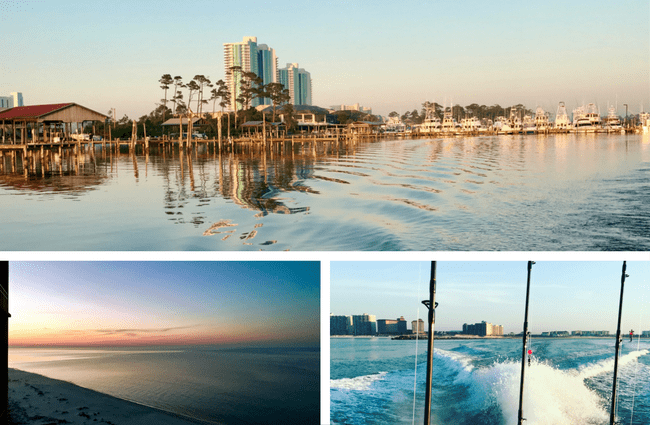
<point>132,331</point>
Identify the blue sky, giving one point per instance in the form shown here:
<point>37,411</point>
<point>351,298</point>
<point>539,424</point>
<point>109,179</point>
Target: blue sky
<point>564,295</point>
<point>384,54</point>
<point>139,303</point>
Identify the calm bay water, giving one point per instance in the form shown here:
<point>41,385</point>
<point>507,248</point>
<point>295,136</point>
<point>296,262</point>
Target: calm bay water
<point>569,382</point>
<point>215,385</point>
<point>547,193</point>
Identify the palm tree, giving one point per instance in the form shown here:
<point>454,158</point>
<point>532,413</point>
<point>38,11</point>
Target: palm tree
<point>165,81</point>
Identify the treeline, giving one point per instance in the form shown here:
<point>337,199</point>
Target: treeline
<point>459,112</point>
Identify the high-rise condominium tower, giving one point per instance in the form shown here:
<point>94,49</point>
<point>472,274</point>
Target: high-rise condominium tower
<point>251,57</point>
<point>298,82</point>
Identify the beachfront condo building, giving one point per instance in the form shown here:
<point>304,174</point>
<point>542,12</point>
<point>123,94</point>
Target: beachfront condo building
<point>483,329</point>
<point>364,324</point>
<point>251,57</point>
<point>298,82</point>
<point>391,327</point>
<point>417,326</point>
<point>341,325</point>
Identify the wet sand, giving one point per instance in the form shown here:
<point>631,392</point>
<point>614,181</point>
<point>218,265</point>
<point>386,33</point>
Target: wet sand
<point>36,399</point>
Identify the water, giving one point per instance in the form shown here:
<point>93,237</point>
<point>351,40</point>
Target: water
<point>477,381</point>
<point>215,385</point>
<point>546,193</point>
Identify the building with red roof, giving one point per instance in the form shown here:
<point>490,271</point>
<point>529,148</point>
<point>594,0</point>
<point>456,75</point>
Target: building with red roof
<point>24,124</point>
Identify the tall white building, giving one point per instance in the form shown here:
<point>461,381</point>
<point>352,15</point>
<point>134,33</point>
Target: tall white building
<point>298,82</point>
<point>12,101</point>
<point>17,99</point>
<point>251,57</point>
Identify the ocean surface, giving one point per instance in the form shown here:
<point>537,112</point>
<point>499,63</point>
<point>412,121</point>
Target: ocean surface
<point>540,193</point>
<point>214,385</point>
<point>375,381</point>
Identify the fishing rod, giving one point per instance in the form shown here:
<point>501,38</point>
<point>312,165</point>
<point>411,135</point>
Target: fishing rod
<point>520,418</point>
<point>431,304</point>
<point>612,416</point>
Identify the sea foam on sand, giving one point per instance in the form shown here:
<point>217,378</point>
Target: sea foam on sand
<point>35,399</point>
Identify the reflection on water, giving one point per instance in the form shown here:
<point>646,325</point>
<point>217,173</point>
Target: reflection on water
<point>557,192</point>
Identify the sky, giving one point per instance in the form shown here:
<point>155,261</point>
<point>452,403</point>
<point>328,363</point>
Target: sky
<point>164,303</point>
<point>564,295</point>
<point>387,55</point>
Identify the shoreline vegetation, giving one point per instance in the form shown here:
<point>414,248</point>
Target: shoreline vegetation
<point>36,399</point>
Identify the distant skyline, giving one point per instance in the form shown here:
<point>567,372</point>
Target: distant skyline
<point>384,55</point>
<point>564,296</point>
<point>164,303</point>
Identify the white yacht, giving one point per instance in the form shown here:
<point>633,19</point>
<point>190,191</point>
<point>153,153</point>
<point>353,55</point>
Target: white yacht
<point>581,122</point>
<point>613,122</point>
<point>562,121</point>
<point>541,120</point>
<point>594,116</point>
<point>448,123</point>
<point>431,123</point>
<point>529,125</point>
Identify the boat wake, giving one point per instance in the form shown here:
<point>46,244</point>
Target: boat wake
<point>465,394</point>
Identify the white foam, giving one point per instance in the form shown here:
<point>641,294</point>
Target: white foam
<point>593,369</point>
<point>551,396</point>
<point>359,383</point>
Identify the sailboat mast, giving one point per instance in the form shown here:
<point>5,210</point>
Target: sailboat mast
<point>612,416</point>
<point>431,305</point>
<point>523,350</point>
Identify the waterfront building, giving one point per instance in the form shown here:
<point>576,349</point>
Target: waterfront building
<point>417,326</point>
<point>341,325</point>
<point>298,82</point>
<point>365,324</point>
<point>645,334</point>
<point>391,327</point>
<point>483,329</point>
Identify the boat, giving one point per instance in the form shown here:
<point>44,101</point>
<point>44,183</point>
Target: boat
<point>541,121</point>
<point>612,122</point>
<point>528,125</point>
<point>448,123</point>
<point>431,122</point>
<point>581,123</point>
<point>562,122</point>
<point>593,114</point>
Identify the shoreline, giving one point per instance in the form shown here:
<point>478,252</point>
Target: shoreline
<point>474,337</point>
<point>37,399</point>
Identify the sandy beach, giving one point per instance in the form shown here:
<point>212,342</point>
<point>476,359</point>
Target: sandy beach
<point>36,399</point>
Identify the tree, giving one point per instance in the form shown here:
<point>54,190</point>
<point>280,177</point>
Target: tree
<point>165,81</point>
<point>249,89</point>
<point>394,114</point>
<point>178,83</point>
<point>278,95</point>
<point>202,81</point>
<point>289,120</point>
<point>192,86</point>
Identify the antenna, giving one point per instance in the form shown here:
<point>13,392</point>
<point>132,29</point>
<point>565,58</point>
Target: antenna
<point>431,304</point>
<point>520,418</point>
<point>612,416</point>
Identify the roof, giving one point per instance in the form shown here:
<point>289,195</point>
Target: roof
<point>66,112</point>
<point>34,111</point>
<point>177,121</point>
